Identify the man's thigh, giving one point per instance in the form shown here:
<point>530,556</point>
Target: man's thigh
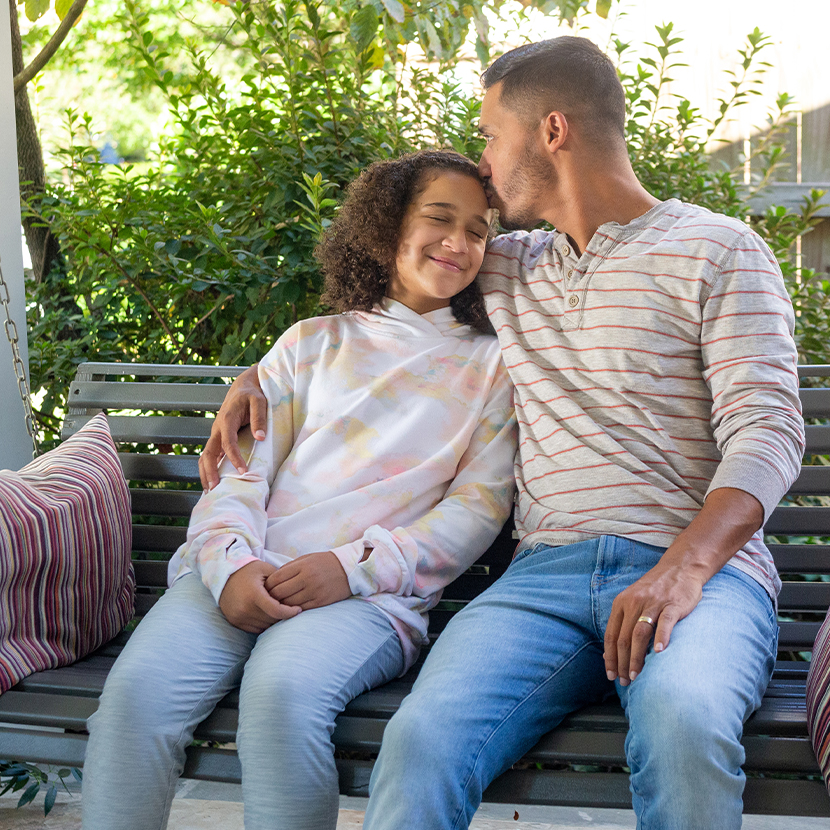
<point>724,649</point>
<point>707,682</point>
<point>518,659</point>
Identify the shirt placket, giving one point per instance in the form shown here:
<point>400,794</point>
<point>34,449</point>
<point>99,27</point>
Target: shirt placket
<point>577,278</point>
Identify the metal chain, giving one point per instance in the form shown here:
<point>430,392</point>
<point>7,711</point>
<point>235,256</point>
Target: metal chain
<point>19,368</point>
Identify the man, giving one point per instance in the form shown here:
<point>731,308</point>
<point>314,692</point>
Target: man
<point>651,348</point>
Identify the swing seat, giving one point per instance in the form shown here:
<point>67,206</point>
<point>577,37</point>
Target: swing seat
<point>159,417</point>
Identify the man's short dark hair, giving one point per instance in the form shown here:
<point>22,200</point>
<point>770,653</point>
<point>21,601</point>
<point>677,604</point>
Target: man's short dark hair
<point>568,74</point>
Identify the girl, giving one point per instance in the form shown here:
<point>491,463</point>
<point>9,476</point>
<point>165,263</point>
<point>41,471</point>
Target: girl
<point>386,470</point>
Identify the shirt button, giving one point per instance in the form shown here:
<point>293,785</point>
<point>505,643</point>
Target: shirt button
<point>573,300</point>
<point>565,250</point>
<point>570,272</point>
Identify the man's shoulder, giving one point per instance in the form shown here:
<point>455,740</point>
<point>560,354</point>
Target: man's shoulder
<point>512,255</point>
<point>707,223</point>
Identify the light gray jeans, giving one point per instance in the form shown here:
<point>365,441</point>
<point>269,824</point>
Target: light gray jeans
<point>294,679</point>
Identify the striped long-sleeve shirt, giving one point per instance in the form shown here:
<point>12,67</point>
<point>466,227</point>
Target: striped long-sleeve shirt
<point>657,366</point>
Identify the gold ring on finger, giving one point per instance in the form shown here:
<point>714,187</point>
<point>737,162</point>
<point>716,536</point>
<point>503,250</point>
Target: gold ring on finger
<point>646,619</point>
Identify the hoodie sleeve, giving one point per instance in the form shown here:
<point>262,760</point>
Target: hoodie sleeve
<point>422,558</point>
<point>227,527</point>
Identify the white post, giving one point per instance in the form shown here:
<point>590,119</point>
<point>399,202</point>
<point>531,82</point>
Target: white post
<point>15,446</point>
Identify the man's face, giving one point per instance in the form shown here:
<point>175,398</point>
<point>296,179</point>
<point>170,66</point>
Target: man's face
<point>515,170</point>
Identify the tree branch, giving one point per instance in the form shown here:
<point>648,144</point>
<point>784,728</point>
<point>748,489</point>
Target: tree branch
<point>45,55</point>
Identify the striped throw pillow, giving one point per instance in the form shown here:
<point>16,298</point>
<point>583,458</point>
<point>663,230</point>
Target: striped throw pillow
<point>66,581</point>
<point>818,699</point>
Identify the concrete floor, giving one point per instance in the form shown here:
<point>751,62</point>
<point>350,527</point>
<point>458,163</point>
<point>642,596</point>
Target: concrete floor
<point>202,805</point>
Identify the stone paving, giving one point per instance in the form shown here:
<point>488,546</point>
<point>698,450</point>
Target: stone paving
<point>206,806</point>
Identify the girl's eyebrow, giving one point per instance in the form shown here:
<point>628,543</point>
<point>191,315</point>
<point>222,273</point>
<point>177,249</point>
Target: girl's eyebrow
<point>449,205</point>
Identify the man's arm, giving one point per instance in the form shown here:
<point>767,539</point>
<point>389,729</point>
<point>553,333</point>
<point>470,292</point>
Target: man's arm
<point>673,587</point>
<point>749,364</point>
<point>243,404</point>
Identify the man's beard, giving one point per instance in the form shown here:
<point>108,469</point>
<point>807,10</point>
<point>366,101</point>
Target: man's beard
<point>530,175</point>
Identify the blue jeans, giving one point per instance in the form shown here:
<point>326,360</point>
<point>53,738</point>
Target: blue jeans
<point>295,678</point>
<point>528,651</point>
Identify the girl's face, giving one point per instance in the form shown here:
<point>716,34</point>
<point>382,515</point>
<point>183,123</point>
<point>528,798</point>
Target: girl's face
<point>442,241</point>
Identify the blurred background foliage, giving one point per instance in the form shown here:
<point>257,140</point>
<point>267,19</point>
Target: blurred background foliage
<point>216,138</point>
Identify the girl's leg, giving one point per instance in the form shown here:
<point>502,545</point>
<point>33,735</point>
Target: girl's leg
<point>301,674</point>
<point>180,661</point>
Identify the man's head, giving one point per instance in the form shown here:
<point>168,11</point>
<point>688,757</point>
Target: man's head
<point>566,74</point>
<point>536,96</point>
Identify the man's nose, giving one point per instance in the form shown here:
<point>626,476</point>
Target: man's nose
<point>484,166</point>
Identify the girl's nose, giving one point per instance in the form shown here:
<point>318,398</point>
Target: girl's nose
<point>456,240</point>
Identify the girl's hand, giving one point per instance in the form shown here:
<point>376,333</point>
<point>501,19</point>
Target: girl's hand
<point>246,603</point>
<point>310,581</point>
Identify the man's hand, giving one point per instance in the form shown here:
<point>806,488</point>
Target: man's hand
<point>243,404</point>
<point>246,603</point>
<point>310,581</point>
<point>673,587</point>
<point>666,594</point>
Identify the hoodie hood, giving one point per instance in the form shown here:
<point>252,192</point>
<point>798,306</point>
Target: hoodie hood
<point>397,320</point>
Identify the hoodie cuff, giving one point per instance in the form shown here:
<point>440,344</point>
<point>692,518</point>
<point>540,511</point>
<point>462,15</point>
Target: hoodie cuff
<point>349,556</point>
<point>217,569</point>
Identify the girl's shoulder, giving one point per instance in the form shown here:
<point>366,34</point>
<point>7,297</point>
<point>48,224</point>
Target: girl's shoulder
<point>308,334</point>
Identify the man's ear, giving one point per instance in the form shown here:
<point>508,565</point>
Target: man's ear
<point>554,131</point>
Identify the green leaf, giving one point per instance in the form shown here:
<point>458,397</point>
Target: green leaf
<point>29,795</point>
<point>603,7</point>
<point>364,26</point>
<point>49,801</point>
<point>394,8</point>
<point>433,45</point>
<point>62,7</point>
<point>482,52</point>
<point>36,9</point>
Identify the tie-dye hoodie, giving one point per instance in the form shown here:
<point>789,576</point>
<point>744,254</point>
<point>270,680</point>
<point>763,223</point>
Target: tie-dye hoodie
<point>387,430</point>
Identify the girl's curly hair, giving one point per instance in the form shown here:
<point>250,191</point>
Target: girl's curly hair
<point>358,251</point>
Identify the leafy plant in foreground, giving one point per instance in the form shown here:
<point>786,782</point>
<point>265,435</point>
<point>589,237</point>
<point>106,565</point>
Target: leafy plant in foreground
<point>16,776</point>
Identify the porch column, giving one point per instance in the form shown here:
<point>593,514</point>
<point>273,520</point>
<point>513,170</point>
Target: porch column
<point>15,446</point>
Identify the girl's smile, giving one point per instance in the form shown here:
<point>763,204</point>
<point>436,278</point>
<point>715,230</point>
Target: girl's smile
<point>442,242</point>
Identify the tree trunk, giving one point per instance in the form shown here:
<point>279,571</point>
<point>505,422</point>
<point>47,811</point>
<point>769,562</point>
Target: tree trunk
<point>43,246</point>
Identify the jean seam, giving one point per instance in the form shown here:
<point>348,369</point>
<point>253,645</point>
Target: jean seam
<point>498,726</point>
<point>173,780</point>
<point>392,634</point>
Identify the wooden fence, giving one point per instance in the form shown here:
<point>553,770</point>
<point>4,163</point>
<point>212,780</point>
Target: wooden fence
<point>807,167</point>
